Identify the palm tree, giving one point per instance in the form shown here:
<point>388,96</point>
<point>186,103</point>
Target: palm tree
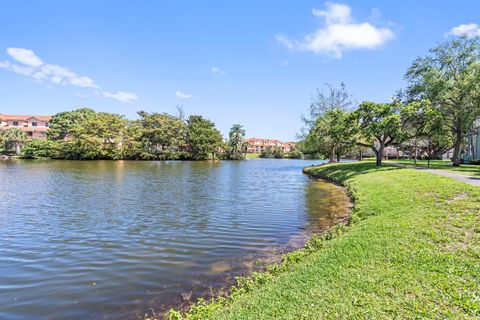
<point>14,137</point>
<point>235,141</point>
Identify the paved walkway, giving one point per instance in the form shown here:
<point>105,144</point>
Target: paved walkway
<point>474,181</point>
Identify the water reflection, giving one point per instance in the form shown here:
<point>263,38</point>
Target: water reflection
<point>109,240</point>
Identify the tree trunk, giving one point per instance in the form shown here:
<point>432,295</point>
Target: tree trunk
<point>17,148</point>
<point>379,155</point>
<point>333,157</point>
<point>456,149</point>
<point>338,157</point>
<point>415,152</point>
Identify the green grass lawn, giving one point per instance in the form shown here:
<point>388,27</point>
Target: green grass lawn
<point>252,155</point>
<point>412,252</point>
<point>473,170</point>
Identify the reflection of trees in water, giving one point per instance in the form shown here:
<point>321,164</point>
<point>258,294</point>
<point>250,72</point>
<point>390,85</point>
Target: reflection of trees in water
<point>326,205</point>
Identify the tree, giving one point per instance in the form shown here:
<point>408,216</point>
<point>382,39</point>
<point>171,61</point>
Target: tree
<point>203,139</point>
<point>379,125</point>
<point>162,135</point>
<point>64,123</point>
<point>325,100</point>
<point>267,152</point>
<point>98,136</point>
<point>278,154</point>
<point>236,143</point>
<point>295,154</point>
<point>426,126</point>
<point>13,138</point>
<point>334,133</point>
<point>450,78</point>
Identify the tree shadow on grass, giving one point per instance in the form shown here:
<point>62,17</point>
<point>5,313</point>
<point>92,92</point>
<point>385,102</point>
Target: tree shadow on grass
<point>340,172</point>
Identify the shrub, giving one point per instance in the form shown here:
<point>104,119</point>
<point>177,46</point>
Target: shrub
<point>38,148</point>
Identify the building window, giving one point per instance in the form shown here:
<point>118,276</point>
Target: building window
<point>34,124</point>
<point>15,123</point>
<point>46,124</point>
<point>30,133</point>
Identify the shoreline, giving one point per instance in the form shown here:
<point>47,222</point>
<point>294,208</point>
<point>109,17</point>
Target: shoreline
<point>278,264</point>
<point>410,251</point>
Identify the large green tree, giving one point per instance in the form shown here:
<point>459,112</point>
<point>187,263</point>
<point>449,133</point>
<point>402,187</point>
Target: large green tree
<point>326,100</point>
<point>450,78</point>
<point>203,139</point>
<point>162,136</point>
<point>334,133</point>
<point>99,136</point>
<point>379,126</point>
<point>63,124</point>
<point>427,129</point>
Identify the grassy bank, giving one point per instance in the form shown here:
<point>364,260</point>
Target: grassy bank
<point>412,251</point>
<point>467,169</point>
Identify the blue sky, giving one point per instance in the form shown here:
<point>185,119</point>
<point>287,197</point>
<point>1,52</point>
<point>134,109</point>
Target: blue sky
<point>251,62</point>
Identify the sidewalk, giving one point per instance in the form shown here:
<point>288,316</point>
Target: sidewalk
<point>474,181</point>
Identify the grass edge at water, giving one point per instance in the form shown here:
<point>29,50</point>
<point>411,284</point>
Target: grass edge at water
<point>279,294</point>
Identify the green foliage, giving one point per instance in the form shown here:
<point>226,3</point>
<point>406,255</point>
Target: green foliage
<point>294,154</point>
<point>450,78</point>
<point>85,134</point>
<point>325,105</point>
<point>334,132</point>
<point>39,148</point>
<point>427,128</point>
<point>66,123</point>
<point>162,136</point>
<point>96,136</point>
<point>235,144</point>
<point>267,152</point>
<point>13,139</point>
<point>325,100</point>
<point>380,125</point>
<point>203,139</point>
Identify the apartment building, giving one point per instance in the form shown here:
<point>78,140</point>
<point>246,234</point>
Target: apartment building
<point>35,127</point>
<point>257,145</point>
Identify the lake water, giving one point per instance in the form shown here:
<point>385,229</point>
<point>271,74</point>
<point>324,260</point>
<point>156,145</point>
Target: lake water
<point>112,239</point>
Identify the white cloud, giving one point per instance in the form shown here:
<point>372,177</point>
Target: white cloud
<point>181,94</point>
<point>25,56</point>
<point>340,33</point>
<point>470,30</point>
<point>285,62</point>
<point>29,64</point>
<point>218,70</point>
<point>121,96</point>
<point>285,41</point>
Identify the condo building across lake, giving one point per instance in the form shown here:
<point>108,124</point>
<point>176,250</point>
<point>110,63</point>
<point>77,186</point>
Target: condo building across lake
<point>256,145</point>
<point>35,127</point>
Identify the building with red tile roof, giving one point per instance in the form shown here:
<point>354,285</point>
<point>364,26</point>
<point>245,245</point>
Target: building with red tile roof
<point>257,145</point>
<point>35,127</point>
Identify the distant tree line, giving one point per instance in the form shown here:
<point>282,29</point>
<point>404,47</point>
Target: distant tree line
<point>435,113</point>
<point>85,134</point>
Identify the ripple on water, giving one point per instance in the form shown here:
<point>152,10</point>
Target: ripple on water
<point>109,240</point>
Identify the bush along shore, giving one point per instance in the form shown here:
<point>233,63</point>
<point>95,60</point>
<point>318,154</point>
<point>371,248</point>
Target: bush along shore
<point>412,250</point>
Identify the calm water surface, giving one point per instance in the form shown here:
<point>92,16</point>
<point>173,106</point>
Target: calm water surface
<point>110,240</point>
